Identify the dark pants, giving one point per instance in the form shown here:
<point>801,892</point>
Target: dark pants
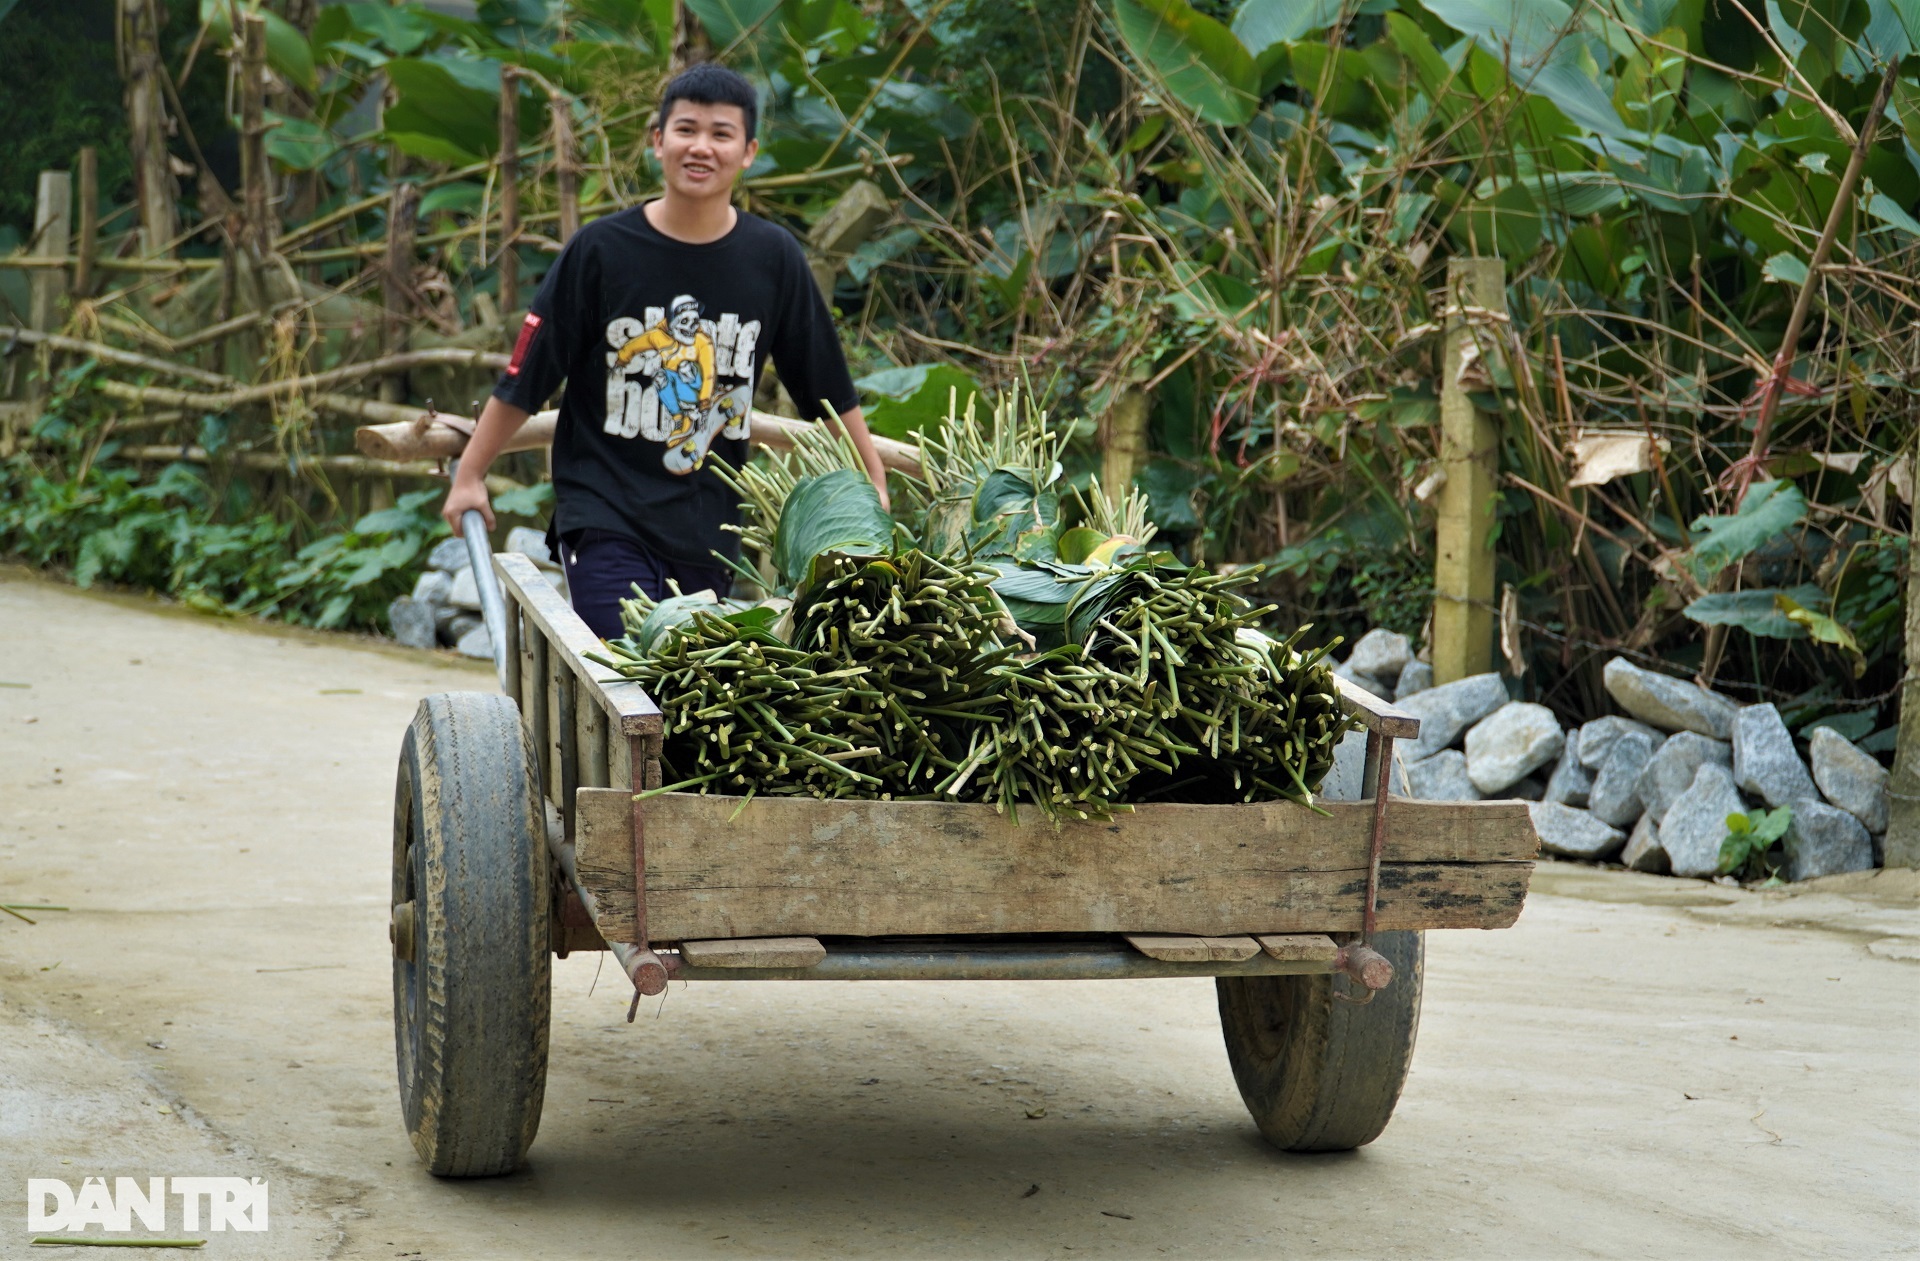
<point>603,569</point>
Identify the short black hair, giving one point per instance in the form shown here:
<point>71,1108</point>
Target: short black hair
<point>709,83</point>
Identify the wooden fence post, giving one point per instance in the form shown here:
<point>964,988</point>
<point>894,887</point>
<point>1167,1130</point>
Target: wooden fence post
<point>52,238</point>
<point>566,165</point>
<point>257,196</point>
<point>403,209</point>
<point>89,239</point>
<point>147,125</point>
<point>509,192</point>
<point>1123,440</point>
<point>1470,457</point>
<point>848,223</point>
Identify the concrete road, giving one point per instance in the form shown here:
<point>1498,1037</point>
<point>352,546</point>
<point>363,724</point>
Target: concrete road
<point>1641,1068</point>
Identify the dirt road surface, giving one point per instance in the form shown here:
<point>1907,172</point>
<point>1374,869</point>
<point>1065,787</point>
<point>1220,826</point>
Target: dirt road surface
<point>1641,1068</point>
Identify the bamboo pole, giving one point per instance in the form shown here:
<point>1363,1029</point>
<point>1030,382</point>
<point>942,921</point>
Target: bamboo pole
<point>398,282</point>
<point>258,232</point>
<point>509,192</point>
<point>238,395</point>
<point>89,242</point>
<point>147,125</point>
<point>267,462</point>
<point>1470,457</point>
<point>1903,790</point>
<point>566,165</point>
<point>113,354</point>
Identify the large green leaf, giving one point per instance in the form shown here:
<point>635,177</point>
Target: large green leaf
<point>299,144</point>
<point>728,21</point>
<point>1546,52</point>
<point>1201,61</point>
<point>1767,510</point>
<point>902,402</point>
<point>1260,24</point>
<point>838,511</point>
<point>435,106</point>
<point>399,30</point>
<point>1755,612</point>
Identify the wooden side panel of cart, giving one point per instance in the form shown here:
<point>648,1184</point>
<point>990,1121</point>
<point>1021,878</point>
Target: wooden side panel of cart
<point>718,867</point>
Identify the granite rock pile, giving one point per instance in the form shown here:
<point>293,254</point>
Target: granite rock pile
<point>1649,787</point>
<point>444,608</point>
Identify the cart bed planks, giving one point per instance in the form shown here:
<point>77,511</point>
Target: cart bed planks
<point>779,866</point>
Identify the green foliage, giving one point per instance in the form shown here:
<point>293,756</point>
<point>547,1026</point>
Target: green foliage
<point>1754,849</point>
<point>1767,509</point>
<point>838,511</point>
<point>160,535</point>
<point>1202,62</point>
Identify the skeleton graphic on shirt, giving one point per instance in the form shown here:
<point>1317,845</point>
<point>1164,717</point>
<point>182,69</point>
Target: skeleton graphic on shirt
<point>677,378</point>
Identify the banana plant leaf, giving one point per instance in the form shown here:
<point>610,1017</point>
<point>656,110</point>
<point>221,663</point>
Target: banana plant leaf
<point>676,611</point>
<point>838,511</point>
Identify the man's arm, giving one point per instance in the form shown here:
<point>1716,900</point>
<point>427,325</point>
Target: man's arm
<point>854,423</point>
<point>499,421</point>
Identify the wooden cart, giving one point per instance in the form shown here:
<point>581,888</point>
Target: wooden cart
<point>517,836</point>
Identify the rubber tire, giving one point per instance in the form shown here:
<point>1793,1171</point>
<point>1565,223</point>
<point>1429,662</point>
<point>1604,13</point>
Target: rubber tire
<point>471,1009</point>
<point>1320,1074</point>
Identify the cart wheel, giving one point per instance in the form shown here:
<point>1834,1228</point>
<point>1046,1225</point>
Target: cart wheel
<point>470,911</point>
<point>1318,1073</point>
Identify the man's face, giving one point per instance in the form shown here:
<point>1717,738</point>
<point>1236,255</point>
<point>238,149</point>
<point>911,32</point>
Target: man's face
<point>703,148</point>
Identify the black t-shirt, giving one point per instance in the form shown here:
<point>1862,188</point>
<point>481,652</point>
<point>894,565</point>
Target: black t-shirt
<point>661,343</point>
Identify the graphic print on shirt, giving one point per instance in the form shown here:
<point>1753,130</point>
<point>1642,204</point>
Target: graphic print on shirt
<point>678,378</point>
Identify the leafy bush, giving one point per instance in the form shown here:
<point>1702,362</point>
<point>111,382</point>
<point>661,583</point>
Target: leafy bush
<point>1754,849</point>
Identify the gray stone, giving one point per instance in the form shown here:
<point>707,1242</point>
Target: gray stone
<point>444,616</point>
<point>432,586</point>
<point>1573,832</point>
<point>1597,737</point>
<point>1696,823</point>
<point>1442,777</point>
<point>412,622</point>
<point>529,543</point>
<point>1670,772</point>
<point>476,643</point>
<point>449,555</point>
<point>1764,761</point>
<point>1852,780</point>
<point>1345,781</point>
<point>1381,654</point>
<point>1511,743</point>
<point>1644,852</point>
<point>1446,711</point>
<point>1824,840</point>
<point>458,627</point>
<point>1415,678</point>
<point>1570,781</point>
<point>465,592</point>
<point>1348,673</point>
<point>556,578</point>
<point>1668,703</point>
<point>1615,795</point>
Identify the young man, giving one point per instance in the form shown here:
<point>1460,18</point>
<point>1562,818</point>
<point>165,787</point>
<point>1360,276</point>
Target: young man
<point>659,319</point>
